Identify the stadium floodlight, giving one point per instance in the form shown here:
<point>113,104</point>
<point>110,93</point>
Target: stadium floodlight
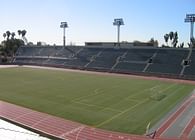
<point>64,25</point>
<point>191,18</point>
<point>118,22</point>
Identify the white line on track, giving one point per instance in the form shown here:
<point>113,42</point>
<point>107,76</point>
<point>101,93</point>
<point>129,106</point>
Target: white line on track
<point>40,121</point>
<point>79,133</point>
<point>185,127</point>
<point>77,129</point>
<point>174,119</point>
<point>25,114</point>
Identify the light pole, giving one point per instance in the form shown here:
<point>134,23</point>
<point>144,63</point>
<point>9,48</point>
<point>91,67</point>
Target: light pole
<point>191,18</point>
<point>64,25</point>
<point>118,22</point>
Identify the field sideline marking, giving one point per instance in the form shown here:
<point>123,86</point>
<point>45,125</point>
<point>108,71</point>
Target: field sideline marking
<point>108,120</point>
<point>177,90</point>
<point>145,90</point>
<point>139,92</point>
<point>128,98</point>
<point>160,91</point>
<point>134,100</point>
<point>101,107</point>
<point>95,92</point>
<point>148,89</point>
<point>117,115</point>
<point>142,91</point>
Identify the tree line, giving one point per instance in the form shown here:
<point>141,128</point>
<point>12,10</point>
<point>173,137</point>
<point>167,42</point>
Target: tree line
<point>171,40</point>
<point>10,44</point>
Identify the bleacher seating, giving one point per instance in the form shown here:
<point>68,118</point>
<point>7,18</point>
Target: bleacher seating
<point>165,69</point>
<point>190,70</point>
<point>139,54</point>
<point>130,67</point>
<point>135,60</point>
<point>168,61</point>
<point>106,59</point>
<point>147,60</point>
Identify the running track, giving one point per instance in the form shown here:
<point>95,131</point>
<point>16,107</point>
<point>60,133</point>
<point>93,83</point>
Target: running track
<point>171,120</point>
<point>60,128</point>
<point>188,129</point>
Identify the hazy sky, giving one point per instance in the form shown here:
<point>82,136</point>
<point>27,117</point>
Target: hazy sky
<point>91,20</point>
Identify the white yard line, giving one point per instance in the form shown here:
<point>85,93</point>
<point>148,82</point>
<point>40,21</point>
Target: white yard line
<point>101,107</point>
<point>117,115</point>
<point>95,92</point>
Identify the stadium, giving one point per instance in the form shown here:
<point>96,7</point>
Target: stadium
<point>101,91</point>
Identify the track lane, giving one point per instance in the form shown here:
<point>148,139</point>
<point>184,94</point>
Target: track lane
<point>173,118</point>
<point>188,129</point>
<point>58,127</point>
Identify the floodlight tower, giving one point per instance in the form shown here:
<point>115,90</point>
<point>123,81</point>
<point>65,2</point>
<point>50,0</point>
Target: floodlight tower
<point>64,25</point>
<point>118,22</point>
<point>191,18</point>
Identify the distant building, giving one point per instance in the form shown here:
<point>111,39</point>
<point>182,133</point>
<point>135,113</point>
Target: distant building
<point>121,45</point>
<point>150,44</point>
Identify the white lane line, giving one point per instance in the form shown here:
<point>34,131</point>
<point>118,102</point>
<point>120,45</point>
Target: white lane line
<point>40,121</point>
<point>77,129</point>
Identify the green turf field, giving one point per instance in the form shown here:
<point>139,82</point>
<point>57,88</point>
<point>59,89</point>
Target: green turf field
<point>108,102</point>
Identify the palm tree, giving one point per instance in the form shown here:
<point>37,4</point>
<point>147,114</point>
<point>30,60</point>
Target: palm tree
<point>171,34</point>
<point>175,39</point>
<point>19,32</point>
<point>13,35</point>
<point>4,35</point>
<point>8,34</point>
<point>181,45</point>
<point>166,37</point>
<point>23,33</point>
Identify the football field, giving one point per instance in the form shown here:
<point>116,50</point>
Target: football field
<point>123,104</point>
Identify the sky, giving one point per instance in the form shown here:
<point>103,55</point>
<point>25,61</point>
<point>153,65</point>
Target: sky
<point>92,20</point>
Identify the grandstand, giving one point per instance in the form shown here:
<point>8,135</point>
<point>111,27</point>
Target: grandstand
<point>148,60</point>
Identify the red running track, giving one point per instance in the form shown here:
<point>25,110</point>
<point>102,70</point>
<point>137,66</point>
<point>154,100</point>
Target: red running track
<point>188,129</point>
<point>173,117</point>
<point>60,128</point>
